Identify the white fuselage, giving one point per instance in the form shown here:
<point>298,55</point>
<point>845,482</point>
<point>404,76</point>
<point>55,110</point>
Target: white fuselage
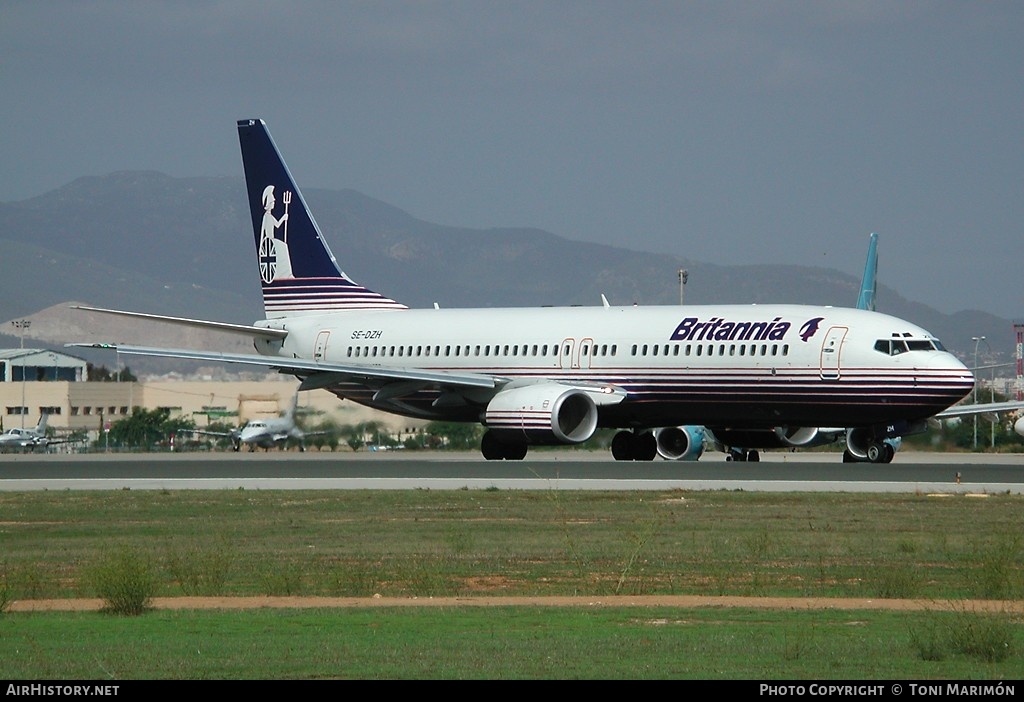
<point>742,365</point>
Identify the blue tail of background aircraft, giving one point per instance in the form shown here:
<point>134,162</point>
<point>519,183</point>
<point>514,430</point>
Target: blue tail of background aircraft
<point>869,283</point>
<point>298,272</point>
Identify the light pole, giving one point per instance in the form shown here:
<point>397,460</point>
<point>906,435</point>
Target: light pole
<point>21,325</point>
<point>683,275</point>
<point>977,340</point>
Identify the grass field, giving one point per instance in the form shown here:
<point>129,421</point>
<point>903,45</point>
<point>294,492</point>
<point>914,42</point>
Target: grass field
<point>951,550</point>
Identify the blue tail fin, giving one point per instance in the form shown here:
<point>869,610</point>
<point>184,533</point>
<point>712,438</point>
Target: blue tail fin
<point>298,272</point>
<point>869,283</point>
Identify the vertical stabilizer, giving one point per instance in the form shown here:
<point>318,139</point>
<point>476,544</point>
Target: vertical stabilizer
<point>869,283</point>
<point>298,272</point>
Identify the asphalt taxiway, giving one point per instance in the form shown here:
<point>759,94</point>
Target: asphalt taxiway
<point>542,470</point>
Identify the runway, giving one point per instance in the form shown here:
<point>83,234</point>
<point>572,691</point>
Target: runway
<point>542,470</point>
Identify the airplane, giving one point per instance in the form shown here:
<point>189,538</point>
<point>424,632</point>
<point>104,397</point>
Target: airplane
<point>266,433</point>
<point>29,439</point>
<point>750,374</point>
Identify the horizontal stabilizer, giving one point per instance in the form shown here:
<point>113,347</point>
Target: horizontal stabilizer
<point>244,329</point>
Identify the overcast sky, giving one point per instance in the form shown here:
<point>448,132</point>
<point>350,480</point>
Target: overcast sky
<point>726,132</point>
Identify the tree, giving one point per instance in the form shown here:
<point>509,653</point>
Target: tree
<point>102,374</point>
<point>457,436</point>
<point>145,429</point>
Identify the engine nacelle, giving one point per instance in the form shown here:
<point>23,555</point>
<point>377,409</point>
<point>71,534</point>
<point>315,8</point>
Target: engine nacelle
<point>802,436</point>
<point>545,413</point>
<point>1018,426</point>
<point>684,443</point>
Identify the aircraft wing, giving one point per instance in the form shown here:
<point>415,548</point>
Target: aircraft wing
<point>980,408</point>
<point>222,434</point>
<point>49,441</point>
<point>316,374</point>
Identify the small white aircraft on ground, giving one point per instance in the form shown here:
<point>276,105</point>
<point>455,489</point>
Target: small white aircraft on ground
<point>29,439</point>
<point>274,432</point>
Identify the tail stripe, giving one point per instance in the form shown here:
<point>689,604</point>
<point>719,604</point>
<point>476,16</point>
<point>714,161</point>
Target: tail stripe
<point>321,294</point>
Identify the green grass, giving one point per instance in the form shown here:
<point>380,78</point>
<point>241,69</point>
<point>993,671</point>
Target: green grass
<point>423,543</point>
<point>490,643</point>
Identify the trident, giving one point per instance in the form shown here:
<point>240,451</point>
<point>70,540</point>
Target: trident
<point>287,197</point>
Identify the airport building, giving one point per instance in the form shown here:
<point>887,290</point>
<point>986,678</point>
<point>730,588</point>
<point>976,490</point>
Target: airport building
<point>37,381</point>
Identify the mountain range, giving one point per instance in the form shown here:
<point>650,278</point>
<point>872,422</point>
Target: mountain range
<point>149,242</point>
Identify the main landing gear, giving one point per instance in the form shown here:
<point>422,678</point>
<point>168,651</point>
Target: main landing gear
<point>741,455</point>
<point>630,446</point>
<point>494,450</point>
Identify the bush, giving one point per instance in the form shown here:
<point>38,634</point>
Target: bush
<point>983,636</point>
<point>125,582</point>
<point>5,594</point>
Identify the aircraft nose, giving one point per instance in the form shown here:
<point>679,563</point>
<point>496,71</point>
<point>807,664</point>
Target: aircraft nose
<point>953,369</point>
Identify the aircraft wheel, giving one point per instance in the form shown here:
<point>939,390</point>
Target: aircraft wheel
<point>494,450</point>
<point>490,448</point>
<point>646,447</point>
<point>623,446</point>
<point>515,452</point>
<point>875,453</point>
<point>890,453</point>
<point>753,456</point>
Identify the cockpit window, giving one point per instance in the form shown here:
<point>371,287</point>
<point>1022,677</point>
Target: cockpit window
<point>897,345</point>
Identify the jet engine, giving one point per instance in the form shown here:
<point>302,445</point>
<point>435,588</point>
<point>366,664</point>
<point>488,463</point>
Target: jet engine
<point>1018,426</point>
<point>779,437</point>
<point>802,436</point>
<point>684,443</point>
<point>545,414</point>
